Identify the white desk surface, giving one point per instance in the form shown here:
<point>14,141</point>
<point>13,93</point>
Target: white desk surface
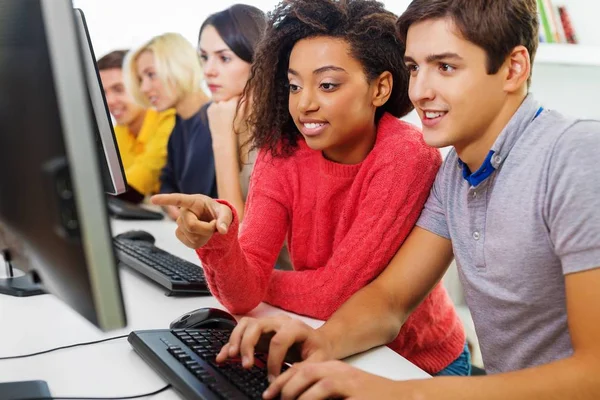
<point>113,368</point>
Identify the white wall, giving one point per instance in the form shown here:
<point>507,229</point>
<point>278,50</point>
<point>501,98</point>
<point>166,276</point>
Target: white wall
<point>116,24</point>
<point>572,90</point>
<point>126,23</point>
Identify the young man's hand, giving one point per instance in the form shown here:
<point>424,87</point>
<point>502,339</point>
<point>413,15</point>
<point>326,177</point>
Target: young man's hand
<point>284,338</point>
<point>334,379</point>
<point>199,217</point>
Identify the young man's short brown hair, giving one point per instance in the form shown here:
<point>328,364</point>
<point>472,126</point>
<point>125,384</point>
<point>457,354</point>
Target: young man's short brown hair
<point>497,26</point>
<point>112,60</point>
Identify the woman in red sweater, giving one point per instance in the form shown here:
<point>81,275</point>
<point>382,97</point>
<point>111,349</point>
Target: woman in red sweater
<point>338,175</point>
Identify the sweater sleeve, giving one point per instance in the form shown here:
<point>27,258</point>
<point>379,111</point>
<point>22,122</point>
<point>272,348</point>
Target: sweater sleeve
<point>238,270</point>
<point>387,213</point>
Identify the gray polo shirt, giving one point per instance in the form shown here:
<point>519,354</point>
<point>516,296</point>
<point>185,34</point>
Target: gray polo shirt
<point>517,233</point>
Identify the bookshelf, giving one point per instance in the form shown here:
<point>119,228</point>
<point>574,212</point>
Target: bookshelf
<point>568,54</point>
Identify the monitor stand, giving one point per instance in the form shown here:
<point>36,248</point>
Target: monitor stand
<point>16,283</point>
<point>24,390</point>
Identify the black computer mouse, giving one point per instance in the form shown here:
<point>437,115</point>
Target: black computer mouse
<point>137,235</point>
<point>209,318</point>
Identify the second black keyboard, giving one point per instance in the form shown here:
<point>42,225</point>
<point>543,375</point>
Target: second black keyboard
<point>178,276</point>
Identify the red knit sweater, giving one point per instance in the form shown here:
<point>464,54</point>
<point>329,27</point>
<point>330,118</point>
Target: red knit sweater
<point>343,223</point>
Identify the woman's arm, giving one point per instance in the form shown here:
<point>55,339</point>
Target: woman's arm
<point>227,153</point>
<point>238,270</point>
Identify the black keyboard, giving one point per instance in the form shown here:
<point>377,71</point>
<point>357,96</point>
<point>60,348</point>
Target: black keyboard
<point>124,210</point>
<point>178,276</point>
<point>186,359</point>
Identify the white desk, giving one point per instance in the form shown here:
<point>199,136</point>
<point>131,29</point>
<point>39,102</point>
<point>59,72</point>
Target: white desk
<point>113,368</point>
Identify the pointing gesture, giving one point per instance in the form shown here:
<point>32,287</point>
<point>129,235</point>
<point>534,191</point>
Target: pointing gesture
<point>200,217</point>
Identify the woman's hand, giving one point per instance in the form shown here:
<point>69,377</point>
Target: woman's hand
<point>221,121</point>
<point>172,212</point>
<point>199,217</point>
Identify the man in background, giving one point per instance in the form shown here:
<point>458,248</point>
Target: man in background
<point>142,134</point>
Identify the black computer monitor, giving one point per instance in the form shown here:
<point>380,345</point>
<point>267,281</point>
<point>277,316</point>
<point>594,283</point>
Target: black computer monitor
<point>52,205</point>
<point>111,167</point>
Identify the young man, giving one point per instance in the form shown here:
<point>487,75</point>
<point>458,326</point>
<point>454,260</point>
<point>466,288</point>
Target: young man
<point>517,202</point>
<point>142,134</point>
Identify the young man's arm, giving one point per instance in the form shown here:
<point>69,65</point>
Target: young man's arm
<point>375,314</point>
<point>573,378</point>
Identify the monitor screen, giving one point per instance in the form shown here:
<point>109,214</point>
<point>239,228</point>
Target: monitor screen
<point>52,204</point>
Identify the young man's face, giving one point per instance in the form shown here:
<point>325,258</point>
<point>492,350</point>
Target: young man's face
<point>453,94</point>
<point>120,104</point>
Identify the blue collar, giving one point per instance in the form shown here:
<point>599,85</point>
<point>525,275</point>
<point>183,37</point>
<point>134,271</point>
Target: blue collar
<point>481,174</point>
<point>487,168</point>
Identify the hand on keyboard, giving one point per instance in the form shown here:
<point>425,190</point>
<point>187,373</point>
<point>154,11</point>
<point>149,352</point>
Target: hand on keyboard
<point>200,217</point>
<point>283,338</point>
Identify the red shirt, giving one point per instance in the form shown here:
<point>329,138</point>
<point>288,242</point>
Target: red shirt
<point>343,223</point>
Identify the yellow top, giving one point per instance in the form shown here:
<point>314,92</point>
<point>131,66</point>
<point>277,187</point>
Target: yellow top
<point>144,156</point>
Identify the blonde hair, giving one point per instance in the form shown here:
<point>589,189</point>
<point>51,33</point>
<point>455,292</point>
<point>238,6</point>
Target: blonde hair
<point>176,62</point>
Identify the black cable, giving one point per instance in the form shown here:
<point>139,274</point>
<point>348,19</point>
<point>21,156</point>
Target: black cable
<point>100,398</point>
<point>61,348</point>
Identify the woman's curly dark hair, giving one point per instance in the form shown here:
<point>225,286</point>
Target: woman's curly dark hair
<point>365,25</point>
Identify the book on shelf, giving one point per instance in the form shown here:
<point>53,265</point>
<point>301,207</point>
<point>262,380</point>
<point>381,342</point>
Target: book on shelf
<point>555,23</point>
<point>565,19</point>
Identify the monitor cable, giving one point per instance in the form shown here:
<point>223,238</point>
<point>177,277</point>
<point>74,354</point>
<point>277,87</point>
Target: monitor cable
<point>100,398</point>
<point>61,348</point>
<point>78,397</point>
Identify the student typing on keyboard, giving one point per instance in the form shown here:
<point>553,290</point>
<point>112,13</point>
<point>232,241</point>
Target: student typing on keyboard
<point>338,175</point>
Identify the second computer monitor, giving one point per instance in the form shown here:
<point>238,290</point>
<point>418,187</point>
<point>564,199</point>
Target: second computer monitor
<point>112,169</point>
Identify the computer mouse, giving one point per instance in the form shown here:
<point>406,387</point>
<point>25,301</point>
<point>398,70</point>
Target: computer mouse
<point>137,235</point>
<point>209,318</point>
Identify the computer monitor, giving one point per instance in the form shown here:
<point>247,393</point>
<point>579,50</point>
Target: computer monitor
<point>112,169</point>
<point>52,202</point>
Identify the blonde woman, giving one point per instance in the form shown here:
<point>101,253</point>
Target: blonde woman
<point>165,73</point>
